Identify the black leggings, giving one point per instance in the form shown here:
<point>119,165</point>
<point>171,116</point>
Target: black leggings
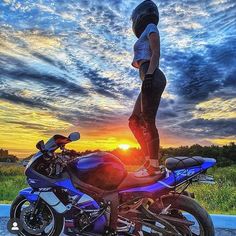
<point>142,120</point>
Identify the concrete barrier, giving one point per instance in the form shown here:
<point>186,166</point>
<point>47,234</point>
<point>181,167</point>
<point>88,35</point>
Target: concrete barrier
<point>224,221</point>
<point>220,221</point>
<point>5,210</point>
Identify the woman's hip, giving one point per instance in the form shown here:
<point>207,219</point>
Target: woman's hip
<point>158,73</point>
<point>159,78</point>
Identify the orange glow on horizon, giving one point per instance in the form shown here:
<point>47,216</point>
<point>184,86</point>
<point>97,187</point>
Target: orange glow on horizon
<point>124,147</point>
<point>21,129</point>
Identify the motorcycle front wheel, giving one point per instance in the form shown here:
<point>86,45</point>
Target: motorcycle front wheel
<point>45,222</point>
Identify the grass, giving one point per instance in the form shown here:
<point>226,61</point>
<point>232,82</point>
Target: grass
<point>219,198</point>
<point>12,180</point>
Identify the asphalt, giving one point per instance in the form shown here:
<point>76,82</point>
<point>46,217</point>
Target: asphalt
<point>4,231</point>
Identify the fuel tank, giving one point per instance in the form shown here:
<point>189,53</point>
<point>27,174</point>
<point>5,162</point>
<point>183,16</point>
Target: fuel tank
<point>100,169</point>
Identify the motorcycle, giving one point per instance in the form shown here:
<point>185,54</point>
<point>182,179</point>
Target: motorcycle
<point>94,195</point>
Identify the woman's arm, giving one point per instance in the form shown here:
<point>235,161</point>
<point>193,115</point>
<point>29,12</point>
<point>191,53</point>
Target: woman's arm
<point>154,40</point>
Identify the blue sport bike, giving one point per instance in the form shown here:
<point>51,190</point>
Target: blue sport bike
<point>94,195</point>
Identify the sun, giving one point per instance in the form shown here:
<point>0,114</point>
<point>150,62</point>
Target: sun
<point>124,146</point>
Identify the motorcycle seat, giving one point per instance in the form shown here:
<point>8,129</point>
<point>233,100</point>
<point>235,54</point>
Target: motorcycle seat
<point>131,181</point>
<point>175,163</point>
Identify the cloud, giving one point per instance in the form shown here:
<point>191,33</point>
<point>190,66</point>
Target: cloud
<point>166,114</point>
<point>30,102</point>
<point>209,128</point>
<point>230,80</point>
<point>216,109</point>
<point>28,125</point>
<point>197,79</point>
<point>104,85</point>
<point>73,58</point>
<point>15,69</point>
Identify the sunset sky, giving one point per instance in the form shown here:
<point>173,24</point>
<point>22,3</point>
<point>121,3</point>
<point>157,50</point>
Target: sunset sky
<point>65,66</point>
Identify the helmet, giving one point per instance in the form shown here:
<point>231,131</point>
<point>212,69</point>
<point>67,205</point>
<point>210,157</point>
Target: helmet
<point>144,14</point>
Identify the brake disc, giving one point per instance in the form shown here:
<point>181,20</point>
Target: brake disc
<point>32,225</point>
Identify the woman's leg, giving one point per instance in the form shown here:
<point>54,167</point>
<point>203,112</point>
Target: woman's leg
<point>149,106</point>
<point>136,126</point>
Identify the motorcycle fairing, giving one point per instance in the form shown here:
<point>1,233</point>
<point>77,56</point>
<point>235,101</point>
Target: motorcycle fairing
<point>34,158</point>
<point>36,180</point>
<point>29,194</point>
<point>67,184</point>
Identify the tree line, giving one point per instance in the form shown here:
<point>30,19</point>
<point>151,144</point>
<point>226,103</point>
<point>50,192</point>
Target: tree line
<point>225,155</point>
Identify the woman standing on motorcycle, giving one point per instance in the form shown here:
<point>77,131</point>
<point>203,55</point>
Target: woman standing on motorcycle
<point>145,18</point>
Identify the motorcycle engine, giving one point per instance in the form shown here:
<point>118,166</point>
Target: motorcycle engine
<point>82,221</point>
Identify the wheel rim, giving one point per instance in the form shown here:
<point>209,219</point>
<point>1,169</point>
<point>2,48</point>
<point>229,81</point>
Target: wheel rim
<point>199,231</point>
<point>194,230</point>
<point>48,230</point>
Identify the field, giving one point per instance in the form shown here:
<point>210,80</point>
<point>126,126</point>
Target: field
<point>219,198</point>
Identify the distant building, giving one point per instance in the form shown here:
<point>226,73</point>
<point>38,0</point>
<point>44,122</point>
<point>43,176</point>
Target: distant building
<point>6,157</point>
<point>3,153</point>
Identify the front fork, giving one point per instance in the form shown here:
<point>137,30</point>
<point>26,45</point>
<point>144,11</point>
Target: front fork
<point>33,198</point>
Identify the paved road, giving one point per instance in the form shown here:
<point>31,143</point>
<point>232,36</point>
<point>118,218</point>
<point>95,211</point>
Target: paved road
<point>4,232</point>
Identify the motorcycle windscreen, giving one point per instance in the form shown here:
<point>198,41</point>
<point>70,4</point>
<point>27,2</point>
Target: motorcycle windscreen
<point>55,142</point>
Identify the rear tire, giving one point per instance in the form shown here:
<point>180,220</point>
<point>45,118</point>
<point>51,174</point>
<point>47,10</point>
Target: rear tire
<point>15,211</point>
<point>187,204</point>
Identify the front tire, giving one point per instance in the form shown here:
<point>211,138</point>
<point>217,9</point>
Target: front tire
<point>189,205</point>
<point>58,220</point>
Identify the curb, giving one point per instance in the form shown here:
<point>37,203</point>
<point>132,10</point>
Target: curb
<point>219,221</point>
<point>224,221</point>
<point>5,210</point>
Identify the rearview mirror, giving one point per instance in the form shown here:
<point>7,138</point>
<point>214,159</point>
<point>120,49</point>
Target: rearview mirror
<point>74,136</point>
<point>40,145</point>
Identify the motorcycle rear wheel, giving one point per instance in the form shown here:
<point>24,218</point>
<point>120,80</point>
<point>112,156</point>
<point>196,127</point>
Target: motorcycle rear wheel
<point>188,205</point>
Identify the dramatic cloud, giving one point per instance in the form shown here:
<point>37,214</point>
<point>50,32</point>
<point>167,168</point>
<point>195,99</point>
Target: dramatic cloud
<point>71,60</point>
<point>203,128</point>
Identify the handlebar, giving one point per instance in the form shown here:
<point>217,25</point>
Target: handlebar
<point>58,161</point>
<point>47,155</point>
